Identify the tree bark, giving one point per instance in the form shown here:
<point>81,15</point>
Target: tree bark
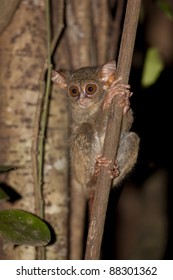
<point>6,12</point>
<point>23,54</point>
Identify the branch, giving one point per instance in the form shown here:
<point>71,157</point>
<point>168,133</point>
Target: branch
<point>116,29</point>
<point>103,185</point>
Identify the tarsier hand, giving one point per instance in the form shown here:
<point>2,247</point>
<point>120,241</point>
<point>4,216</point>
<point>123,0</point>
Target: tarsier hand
<point>123,90</point>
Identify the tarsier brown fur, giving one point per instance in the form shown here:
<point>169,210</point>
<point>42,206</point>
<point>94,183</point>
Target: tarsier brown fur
<point>90,91</point>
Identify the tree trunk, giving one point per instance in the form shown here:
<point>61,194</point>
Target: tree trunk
<point>23,54</point>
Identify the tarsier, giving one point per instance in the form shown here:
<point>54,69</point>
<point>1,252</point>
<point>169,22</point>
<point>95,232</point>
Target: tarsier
<point>90,91</point>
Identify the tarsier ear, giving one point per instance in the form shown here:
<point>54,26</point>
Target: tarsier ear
<point>107,72</point>
<point>59,77</point>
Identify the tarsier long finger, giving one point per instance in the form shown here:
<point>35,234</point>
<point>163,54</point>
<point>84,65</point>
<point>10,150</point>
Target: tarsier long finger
<point>90,91</point>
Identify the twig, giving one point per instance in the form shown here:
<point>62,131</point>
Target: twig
<point>99,209</point>
<point>43,124</point>
<point>40,123</point>
<point>60,26</point>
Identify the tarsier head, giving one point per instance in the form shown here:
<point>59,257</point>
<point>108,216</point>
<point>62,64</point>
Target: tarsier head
<point>86,85</point>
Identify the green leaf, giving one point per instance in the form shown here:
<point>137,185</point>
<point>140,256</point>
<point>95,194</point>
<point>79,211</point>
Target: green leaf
<point>19,227</point>
<point>3,195</point>
<point>166,8</point>
<point>153,66</point>
<point>6,168</point>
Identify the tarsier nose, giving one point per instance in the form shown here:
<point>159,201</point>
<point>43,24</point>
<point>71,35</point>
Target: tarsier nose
<point>82,97</point>
<point>83,100</point>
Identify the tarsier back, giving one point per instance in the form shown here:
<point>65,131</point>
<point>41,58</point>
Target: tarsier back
<point>90,91</point>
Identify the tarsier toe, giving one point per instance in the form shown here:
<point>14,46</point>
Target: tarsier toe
<point>126,108</point>
<point>124,102</point>
<point>115,172</point>
<point>102,161</point>
<point>96,171</point>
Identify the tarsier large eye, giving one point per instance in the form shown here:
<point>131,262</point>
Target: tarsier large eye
<point>74,91</point>
<point>91,88</point>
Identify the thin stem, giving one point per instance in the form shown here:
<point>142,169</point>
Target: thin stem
<point>103,185</point>
<point>44,115</point>
<point>60,26</point>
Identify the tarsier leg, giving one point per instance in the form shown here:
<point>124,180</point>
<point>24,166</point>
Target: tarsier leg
<point>127,155</point>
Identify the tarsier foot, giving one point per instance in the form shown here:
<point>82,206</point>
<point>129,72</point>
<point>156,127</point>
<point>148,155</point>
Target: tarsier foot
<point>115,172</point>
<point>123,90</point>
<point>103,161</point>
<point>100,161</point>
